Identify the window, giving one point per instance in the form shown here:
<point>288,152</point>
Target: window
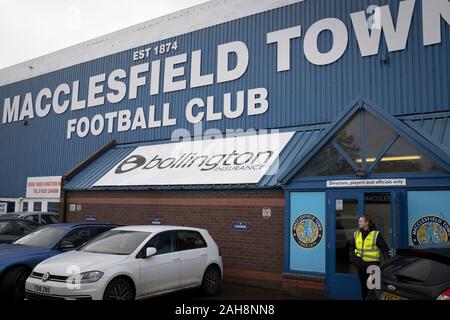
<point>349,138</point>
<point>162,242</point>
<point>26,226</point>
<point>53,207</point>
<point>37,206</point>
<point>11,206</point>
<point>6,228</point>
<point>346,219</point>
<point>327,162</point>
<point>25,206</point>
<point>402,157</point>
<point>378,206</point>
<point>42,237</point>
<point>377,136</point>
<point>366,145</point>
<point>33,217</point>
<point>99,230</point>
<point>77,237</point>
<point>49,218</point>
<point>120,242</point>
<point>188,240</point>
<point>418,270</point>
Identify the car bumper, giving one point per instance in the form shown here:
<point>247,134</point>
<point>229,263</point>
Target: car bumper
<point>35,289</point>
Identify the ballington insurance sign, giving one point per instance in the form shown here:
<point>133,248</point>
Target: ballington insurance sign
<point>236,160</point>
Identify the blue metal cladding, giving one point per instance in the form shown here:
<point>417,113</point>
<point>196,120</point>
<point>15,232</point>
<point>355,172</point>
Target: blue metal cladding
<point>98,168</point>
<point>414,81</point>
<point>296,149</point>
<point>434,126</point>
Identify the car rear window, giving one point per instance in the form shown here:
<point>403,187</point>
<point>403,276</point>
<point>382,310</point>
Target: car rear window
<point>6,227</point>
<point>418,270</point>
<point>188,240</point>
<point>50,219</point>
<point>27,226</point>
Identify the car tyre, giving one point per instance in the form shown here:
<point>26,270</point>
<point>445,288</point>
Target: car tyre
<point>119,289</point>
<point>13,284</point>
<point>211,281</point>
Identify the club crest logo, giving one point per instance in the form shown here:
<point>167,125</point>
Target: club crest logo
<point>307,231</point>
<point>430,230</point>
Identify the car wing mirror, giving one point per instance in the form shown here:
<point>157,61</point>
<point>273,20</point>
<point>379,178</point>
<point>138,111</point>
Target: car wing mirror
<point>149,252</point>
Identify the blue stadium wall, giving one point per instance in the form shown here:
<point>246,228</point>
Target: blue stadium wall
<point>414,81</point>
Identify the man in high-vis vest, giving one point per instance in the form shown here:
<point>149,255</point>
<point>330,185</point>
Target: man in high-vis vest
<point>367,249</point>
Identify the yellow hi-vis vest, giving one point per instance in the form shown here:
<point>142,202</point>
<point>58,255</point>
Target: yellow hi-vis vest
<point>367,249</point>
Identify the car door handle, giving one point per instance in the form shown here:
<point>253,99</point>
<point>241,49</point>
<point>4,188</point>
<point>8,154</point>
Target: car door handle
<point>175,259</point>
<point>204,254</point>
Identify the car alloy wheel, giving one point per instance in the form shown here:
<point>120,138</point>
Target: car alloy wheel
<point>211,281</point>
<point>19,288</point>
<point>119,290</point>
<point>12,284</point>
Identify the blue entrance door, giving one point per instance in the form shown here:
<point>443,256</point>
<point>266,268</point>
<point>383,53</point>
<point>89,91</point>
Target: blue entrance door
<point>343,210</point>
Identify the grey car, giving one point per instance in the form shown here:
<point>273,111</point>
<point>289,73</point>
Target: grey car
<point>37,217</point>
<point>12,229</point>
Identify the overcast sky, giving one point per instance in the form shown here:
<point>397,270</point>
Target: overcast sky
<point>32,28</point>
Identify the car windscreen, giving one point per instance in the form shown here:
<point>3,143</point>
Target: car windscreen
<point>42,237</point>
<point>121,242</point>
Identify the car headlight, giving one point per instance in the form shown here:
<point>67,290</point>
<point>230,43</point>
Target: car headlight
<point>85,277</point>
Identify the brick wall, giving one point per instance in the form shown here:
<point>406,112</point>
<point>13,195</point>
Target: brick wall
<point>260,249</point>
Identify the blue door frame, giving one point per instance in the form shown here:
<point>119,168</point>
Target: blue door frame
<point>346,286</point>
<point>340,286</point>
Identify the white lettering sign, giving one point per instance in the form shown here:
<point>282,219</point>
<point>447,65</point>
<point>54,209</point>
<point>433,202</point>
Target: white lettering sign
<point>365,183</point>
<point>237,160</point>
<point>185,70</point>
<point>44,187</point>
<point>3,207</point>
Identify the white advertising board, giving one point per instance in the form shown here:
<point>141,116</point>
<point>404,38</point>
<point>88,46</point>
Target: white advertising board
<point>236,160</point>
<point>3,207</point>
<point>44,187</point>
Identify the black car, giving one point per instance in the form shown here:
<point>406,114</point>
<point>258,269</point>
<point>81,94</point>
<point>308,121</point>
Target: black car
<point>12,229</point>
<point>417,274</point>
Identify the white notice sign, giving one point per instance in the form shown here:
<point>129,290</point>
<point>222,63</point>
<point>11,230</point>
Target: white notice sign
<point>339,204</point>
<point>366,183</point>
<point>236,160</point>
<point>3,207</point>
<point>44,187</point>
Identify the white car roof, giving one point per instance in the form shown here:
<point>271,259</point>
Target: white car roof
<point>155,228</point>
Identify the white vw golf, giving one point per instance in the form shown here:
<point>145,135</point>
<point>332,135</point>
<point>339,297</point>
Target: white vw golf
<point>133,262</point>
